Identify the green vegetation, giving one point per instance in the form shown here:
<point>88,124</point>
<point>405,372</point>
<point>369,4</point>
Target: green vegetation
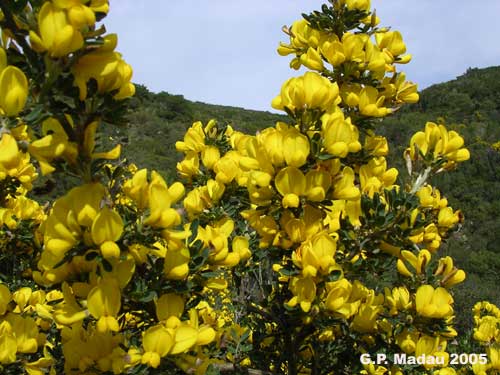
<point>157,121</point>
<point>469,104</point>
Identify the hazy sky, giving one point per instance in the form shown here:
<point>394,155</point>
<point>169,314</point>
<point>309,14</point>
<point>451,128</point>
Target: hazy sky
<point>224,51</point>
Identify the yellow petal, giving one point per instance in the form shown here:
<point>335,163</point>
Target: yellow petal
<point>185,338</point>
<point>13,90</point>
<point>104,299</point>
<point>107,226</point>
<point>158,340</point>
<point>110,155</point>
<point>290,180</point>
<point>109,250</point>
<point>169,305</point>
<point>206,335</point>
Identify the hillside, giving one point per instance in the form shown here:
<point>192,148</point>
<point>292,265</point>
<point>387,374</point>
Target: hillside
<point>157,121</point>
<point>470,104</point>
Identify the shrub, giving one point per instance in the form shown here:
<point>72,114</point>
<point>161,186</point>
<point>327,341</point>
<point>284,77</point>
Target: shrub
<point>293,251</point>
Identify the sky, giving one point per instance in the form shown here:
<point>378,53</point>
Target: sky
<point>224,51</point>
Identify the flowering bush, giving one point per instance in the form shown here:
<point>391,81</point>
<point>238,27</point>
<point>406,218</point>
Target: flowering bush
<point>292,251</point>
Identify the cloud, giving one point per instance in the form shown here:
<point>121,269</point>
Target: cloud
<point>224,51</point>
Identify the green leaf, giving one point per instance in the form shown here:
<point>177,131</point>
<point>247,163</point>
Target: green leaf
<point>334,275</point>
<point>106,265</point>
<point>91,255</point>
<point>210,275</point>
<point>289,272</point>
<point>17,5</point>
<point>36,116</point>
<point>148,296</point>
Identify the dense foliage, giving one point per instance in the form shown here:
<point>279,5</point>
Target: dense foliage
<point>473,187</point>
<point>296,250</point>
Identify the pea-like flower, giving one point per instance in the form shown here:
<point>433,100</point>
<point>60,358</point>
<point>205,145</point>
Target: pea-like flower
<point>433,303</point>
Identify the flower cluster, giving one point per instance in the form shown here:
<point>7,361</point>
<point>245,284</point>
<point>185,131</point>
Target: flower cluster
<point>361,61</point>
<point>13,87</point>
<point>319,186</point>
<point>291,251</point>
<point>486,333</point>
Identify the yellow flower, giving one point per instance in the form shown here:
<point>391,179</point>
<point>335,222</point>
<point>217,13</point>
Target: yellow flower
<point>169,305</point>
<point>312,59</point>
<point>104,302</point>
<point>302,36</point>
<point>304,290</point>
<point>374,176</point>
<point>447,218</point>
<point>374,58</point>
<point>309,91</point>
<point>318,184</point>
<point>241,246</point>
<point>316,255</point>
<point>405,91</point>
<point>195,201</point>
<point>433,303</point>
<point>137,188</point>
<point>494,356</point>
<point>450,274</point>
<point>431,197</point>
<point>190,165</point>
<point>216,239</point>
<point>79,14</point>
<point>8,343</point>
<point>418,262</point>
<point>432,346</point>
<point>107,228</point>
<point>487,329</point>
<point>445,371</point>
<point>297,147</point>
<point>391,43</point>
<point>194,139</point>
<point>161,199</point>
<point>14,163</point>
<point>291,184</point>
<point>398,299</point>
<point>25,331</point>
<point>41,365</point>
<point>13,89</point>
<point>54,144</point>
<point>5,298</point>
<point>340,135</point>
<point>366,318</point>
<point>339,298</point>
<point>157,342</point>
<point>272,141</point>
<point>69,311</point>
<point>353,46</point>
<point>407,340</point>
<point>89,145</point>
<point>176,265</point>
<point>363,5</point>
<point>63,228</point>
<point>108,68</point>
<point>436,140</point>
<point>122,269</point>
<point>209,156</point>
<point>21,297</point>
<point>371,104</point>
<point>56,34</point>
<point>227,168</point>
<point>333,51</point>
<point>185,338</point>
<point>344,187</point>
